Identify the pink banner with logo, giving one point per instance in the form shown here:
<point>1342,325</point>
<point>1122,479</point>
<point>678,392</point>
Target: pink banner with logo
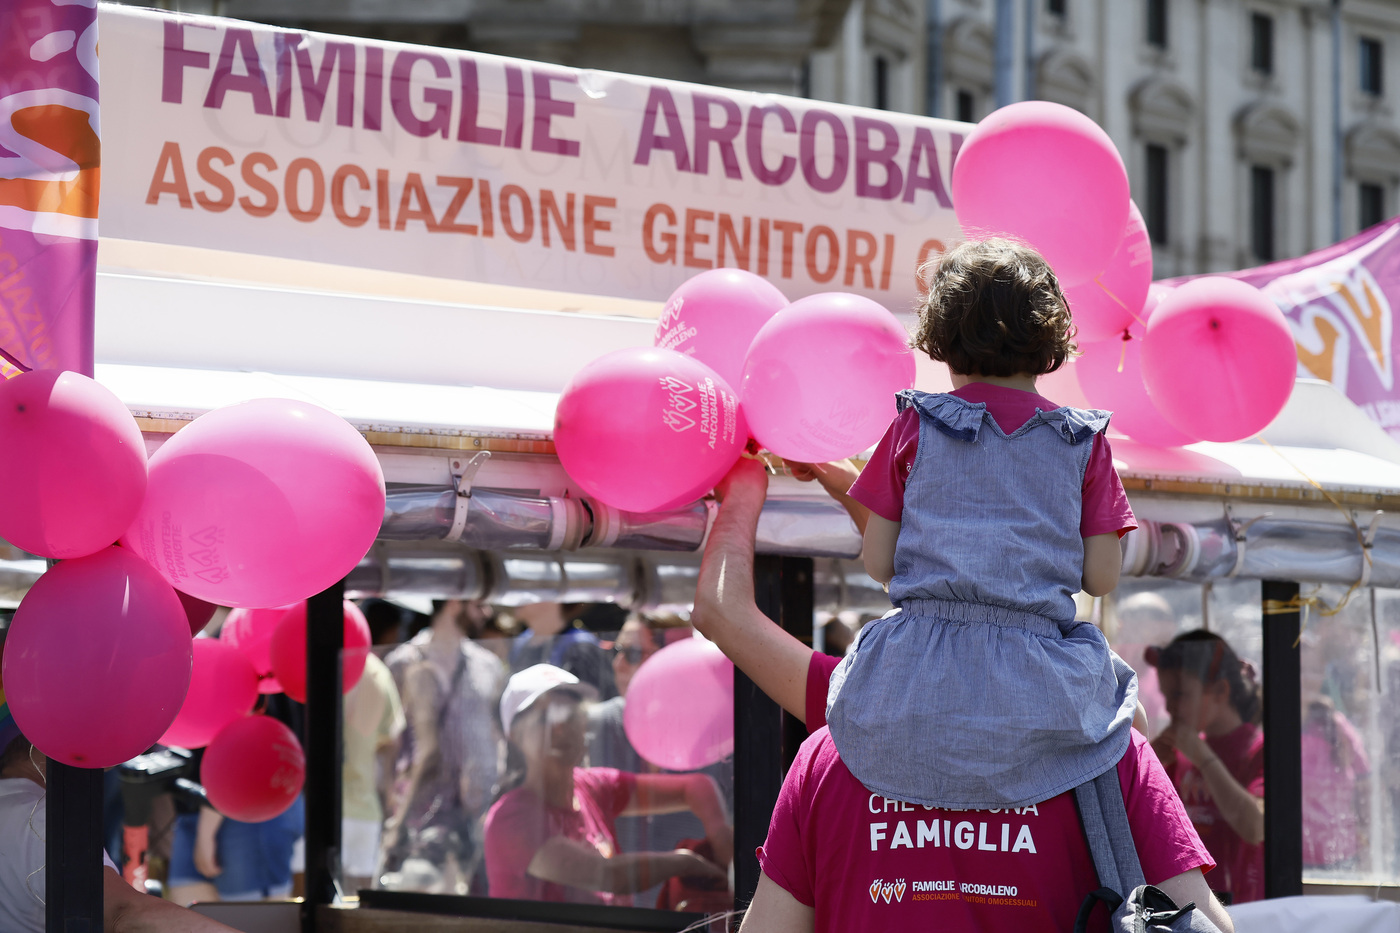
<point>49,171</point>
<point>1339,302</point>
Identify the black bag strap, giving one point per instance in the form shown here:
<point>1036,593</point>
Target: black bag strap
<point>1111,845</point>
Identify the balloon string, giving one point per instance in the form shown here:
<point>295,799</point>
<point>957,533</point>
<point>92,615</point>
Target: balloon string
<point>1279,606</point>
<point>14,362</point>
<point>1123,350</point>
<point>1119,302</point>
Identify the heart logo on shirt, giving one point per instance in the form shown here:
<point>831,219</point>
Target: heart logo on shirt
<point>899,890</point>
<point>875,891</point>
<point>887,892</point>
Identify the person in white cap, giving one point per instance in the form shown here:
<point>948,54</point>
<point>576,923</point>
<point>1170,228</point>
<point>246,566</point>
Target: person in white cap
<point>550,836</point>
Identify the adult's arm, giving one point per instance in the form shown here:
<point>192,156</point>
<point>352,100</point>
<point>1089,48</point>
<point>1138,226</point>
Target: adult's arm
<point>127,910</point>
<point>1190,887</point>
<point>836,478</point>
<point>420,700</point>
<point>698,793</point>
<point>578,865</point>
<point>774,910</point>
<point>206,842</point>
<point>725,611</point>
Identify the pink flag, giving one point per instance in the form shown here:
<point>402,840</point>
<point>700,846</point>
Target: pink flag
<point>49,172</point>
<point>1340,302</point>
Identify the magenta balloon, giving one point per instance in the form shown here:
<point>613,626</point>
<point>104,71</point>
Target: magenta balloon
<point>679,712</point>
<point>821,376</point>
<point>97,660</point>
<point>260,504</point>
<point>1050,176</point>
<point>645,429</point>
<point>254,769</point>
<point>197,611</point>
<point>1108,303</point>
<point>223,687</point>
<point>73,467</point>
<point>714,315</point>
<point>250,631</point>
<point>288,649</point>
<point>1110,375</point>
<point>1219,359</point>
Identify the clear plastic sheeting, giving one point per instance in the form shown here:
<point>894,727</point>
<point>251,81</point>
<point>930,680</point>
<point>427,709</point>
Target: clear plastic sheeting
<point>487,519</point>
<point>808,528</point>
<point>675,530</point>
<point>16,577</point>
<point>1262,549</point>
<point>638,580</point>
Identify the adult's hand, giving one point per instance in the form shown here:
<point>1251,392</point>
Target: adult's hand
<point>725,611</point>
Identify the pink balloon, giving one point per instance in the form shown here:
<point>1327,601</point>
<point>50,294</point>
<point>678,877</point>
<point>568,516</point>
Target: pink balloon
<point>646,429</point>
<point>1113,300</point>
<point>1050,176</point>
<point>1110,374</point>
<point>223,687</point>
<point>288,650</point>
<point>197,611</point>
<point>1219,359</point>
<point>821,376</point>
<point>714,315</point>
<point>97,660</point>
<point>250,631</point>
<point>680,706</point>
<point>254,769</point>
<point>74,464</point>
<point>260,504</point>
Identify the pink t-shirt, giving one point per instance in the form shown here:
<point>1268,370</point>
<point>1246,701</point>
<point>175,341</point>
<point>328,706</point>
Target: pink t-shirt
<point>1334,764</point>
<point>520,822</point>
<point>864,862</point>
<point>1241,870</point>
<point>880,486</point>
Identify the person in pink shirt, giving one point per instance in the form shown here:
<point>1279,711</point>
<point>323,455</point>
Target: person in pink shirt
<point>551,835</point>
<point>841,858</point>
<point>1214,753</point>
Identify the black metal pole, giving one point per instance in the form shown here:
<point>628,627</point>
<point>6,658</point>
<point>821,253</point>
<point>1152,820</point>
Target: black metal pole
<point>325,640</point>
<point>73,849</point>
<point>1283,746</point>
<point>763,735</point>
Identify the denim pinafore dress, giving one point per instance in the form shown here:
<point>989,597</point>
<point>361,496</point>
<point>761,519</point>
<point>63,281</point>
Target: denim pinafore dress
<point>980,691</point>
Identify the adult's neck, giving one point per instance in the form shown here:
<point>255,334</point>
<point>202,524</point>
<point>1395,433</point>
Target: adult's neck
<point>552,782</point>
<point>1021,381</point>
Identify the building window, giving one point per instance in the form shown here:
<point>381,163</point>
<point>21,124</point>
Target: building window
<point>882,83</point>
<point>1261,212</point>
<point>1372,57</point>
<point>1156,193</point>
<point>1056,7</point>
<point>1370,205</point>
<point>1157,23</point>
<point>965,107</point>
<point>1261,44</point>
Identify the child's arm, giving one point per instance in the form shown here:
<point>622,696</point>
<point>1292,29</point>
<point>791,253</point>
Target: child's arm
<point>878,553</point>
<point>1103,561</point>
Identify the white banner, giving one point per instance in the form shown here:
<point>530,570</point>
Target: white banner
<point>229,135</point>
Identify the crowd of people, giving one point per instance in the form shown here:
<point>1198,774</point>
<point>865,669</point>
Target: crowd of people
<point>487,752</point>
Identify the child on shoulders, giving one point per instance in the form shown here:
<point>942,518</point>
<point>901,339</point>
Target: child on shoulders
<point>991,506</point>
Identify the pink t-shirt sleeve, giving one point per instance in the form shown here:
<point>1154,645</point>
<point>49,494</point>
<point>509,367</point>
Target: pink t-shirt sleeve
<point>1106,507</point>
<point>785,855</point>
<point>818,679</point>
<point>612,788</point>
<point>1167,843</point>
<point>880,486</point>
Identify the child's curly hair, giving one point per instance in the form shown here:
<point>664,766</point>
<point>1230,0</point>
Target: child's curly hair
<point>994,308</point>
